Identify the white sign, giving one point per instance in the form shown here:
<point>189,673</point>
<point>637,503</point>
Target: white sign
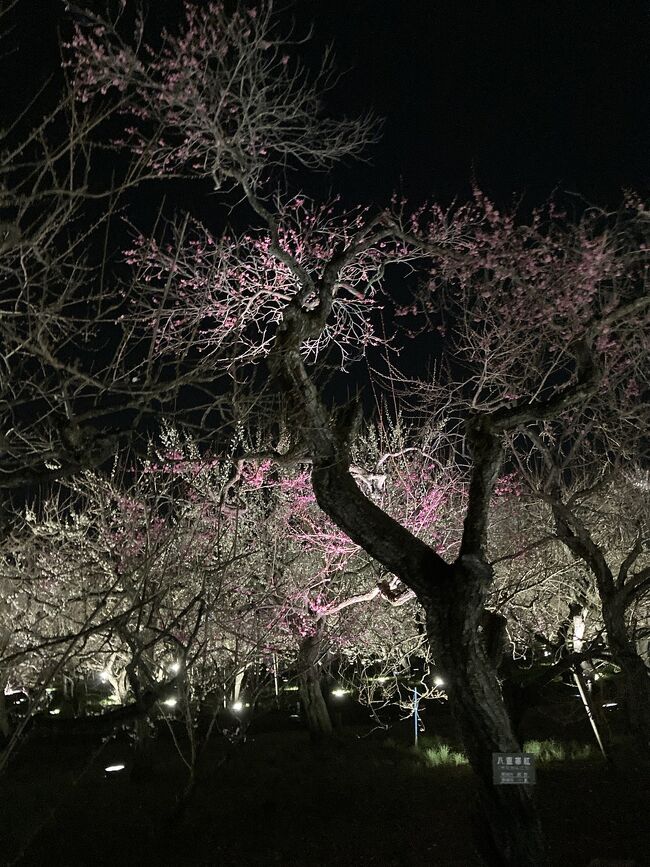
<point>513,769</point>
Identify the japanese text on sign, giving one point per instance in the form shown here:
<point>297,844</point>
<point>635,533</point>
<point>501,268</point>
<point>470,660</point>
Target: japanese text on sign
<point>513,769</point>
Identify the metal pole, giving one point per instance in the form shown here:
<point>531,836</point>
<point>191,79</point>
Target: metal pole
<point>275,678</point>
<point>416,715</point>
<point>582,689</point>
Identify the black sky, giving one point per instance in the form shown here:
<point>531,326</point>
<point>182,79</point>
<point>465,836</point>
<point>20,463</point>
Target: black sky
<point>524,96</point>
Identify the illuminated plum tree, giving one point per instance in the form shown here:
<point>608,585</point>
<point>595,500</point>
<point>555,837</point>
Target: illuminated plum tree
<point>601,517</point>
<point>527,307</point>
<point>541,299</point>
<point>139,580</point>
<point>311,578</point>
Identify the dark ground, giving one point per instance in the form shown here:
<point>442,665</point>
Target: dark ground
<point>280,800</point>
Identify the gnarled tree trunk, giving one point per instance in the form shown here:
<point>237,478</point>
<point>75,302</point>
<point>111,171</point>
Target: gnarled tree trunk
<point>143,746</point>
<point>508,831</point>
<point>312,700</point>
<point>453,597</point>
<point>634,672</point>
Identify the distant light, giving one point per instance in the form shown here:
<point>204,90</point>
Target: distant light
<point>547,653</point>
<point>382,679</point>
<point>55,711</point>
<point>175,667</point>
<point>170,702</point>
<point>438,681</point>
<point>596,676</point>
<point>290,688</point>
<point>339,693</point>
<point>237,706</point>
<point>112,768</point>
<point>611,704</point>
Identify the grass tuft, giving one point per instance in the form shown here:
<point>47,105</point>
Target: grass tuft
<point>554,751</point>
<point>436,753</point>
<point>439,754</point>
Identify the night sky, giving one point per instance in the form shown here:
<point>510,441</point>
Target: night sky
<point>522,97</point>
<point>525,99</point>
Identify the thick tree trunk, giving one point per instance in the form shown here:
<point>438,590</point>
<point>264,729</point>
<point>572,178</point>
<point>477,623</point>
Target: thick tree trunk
<point>312,701</point>
<point>634,673</point>
<point>453,596</point>
<point>5,728</point>
<point>142,766</point>
<point>509,832</point>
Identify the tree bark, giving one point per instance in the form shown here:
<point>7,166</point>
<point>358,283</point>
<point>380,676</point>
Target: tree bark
<point>634,672</point>
<point>142,767</point>
<point>312,700</point>
<point>508,829</point>
<point>453,595</point>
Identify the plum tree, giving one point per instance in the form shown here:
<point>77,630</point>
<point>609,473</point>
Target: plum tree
<point>539,316</point>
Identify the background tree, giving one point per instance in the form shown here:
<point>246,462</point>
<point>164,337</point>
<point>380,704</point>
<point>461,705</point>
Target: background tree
<point>603,524</point>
